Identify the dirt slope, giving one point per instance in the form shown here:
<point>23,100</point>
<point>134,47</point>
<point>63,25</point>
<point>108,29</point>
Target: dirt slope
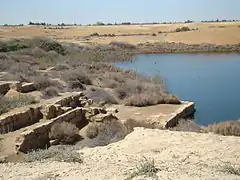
<point>178,155</point>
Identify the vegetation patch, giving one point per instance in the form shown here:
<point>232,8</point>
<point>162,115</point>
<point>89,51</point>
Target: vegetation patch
<point>231,169</point>
<point>146,167</point>
<point>7,103</point>
<point>227,128</point>
<point>183,29</point>
<point>55,153</point>
<point>64,133</point>
<point>83,68</point>
<point>186,125</point>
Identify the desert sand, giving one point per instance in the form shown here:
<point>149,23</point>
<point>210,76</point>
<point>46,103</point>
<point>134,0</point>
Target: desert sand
<point>215,33</point>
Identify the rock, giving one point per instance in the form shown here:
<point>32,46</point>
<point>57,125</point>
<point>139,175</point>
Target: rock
<point>15,85</point>
<point>103,117</point>
<point>73,104</point>
<point>54,142</point>
<point>97,110</point>
<point>112,110</point>
<point>90,101</point>
<point>51,112</point>
<point>3,159</point>
<point>66,109</point>
<point>28,87</point>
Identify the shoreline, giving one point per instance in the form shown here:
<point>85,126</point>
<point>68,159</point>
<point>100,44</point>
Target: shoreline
<point>169,48</point>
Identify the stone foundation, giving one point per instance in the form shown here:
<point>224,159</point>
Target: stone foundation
<point>38,137</point>
<point>20,119</point>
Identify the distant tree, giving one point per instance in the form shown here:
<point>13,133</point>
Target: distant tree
<point>30,23</point>
<point>5,25</point>
<point>99,23</point>
<point>188,21</point>
<point>126,23</point>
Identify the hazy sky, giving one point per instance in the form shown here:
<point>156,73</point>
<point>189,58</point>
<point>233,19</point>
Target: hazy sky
<point>91,11</point>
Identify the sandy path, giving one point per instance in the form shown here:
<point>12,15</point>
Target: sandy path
<point>178,155</point>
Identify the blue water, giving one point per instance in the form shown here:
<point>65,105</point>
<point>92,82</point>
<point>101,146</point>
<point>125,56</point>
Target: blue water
<point>212,81</point>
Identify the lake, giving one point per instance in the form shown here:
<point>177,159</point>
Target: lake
<point>212,81</point>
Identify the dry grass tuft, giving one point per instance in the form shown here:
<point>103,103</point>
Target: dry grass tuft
<point>92,130</point>
<point>99,95</point>
<point>7,103</point>
<point>64,133</point>
<point>103,133</point>
<point>144,92</point>
<point>231,169</point>
<point>55,153</point>
<point>227,128</point>
<point>146,167</point>
<point>123,45</point>
<point>186,125</point>
<point>50,92</point>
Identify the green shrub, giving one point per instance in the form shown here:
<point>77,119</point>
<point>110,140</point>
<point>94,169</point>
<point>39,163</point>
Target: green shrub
<point>183,29</point>
<point>48,45</point>
<point>12,45</point>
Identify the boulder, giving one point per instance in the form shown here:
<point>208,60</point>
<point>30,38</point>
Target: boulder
<point>112,110</point>
<point>97,110</point>
<point>103,117</point>
<point>28,87</point>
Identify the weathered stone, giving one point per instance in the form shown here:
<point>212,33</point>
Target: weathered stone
<point>3,159</point>
<point>22,118</point>
<point>54,142</point>
<point>112,110</point>
<point>90,101</point>
<point>15,85</point>
<point>185,111</point>
<point>69,115</point>
<point>4,88</point>
<point>51,112</point>
<point>28,87</point>
<point>103,117</point>
<point>97,110</point>
<point>38,138</point>
<point>66,109</point>
<point>83,103</point>
<point>73,104</point>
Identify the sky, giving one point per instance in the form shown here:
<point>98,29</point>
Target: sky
<point>111,11</point>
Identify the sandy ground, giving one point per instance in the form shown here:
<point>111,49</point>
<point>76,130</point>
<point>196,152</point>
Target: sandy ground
<point>178,155</point>
<point>216,33</point>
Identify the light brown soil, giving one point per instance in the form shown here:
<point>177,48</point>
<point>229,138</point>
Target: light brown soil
<point>215,33</point>
<point>178,155</point>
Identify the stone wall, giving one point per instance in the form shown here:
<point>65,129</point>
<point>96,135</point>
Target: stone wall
<point>184,112</point>
<point>38,137</point>
<point>30,115</point>
<point>20,119</point>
